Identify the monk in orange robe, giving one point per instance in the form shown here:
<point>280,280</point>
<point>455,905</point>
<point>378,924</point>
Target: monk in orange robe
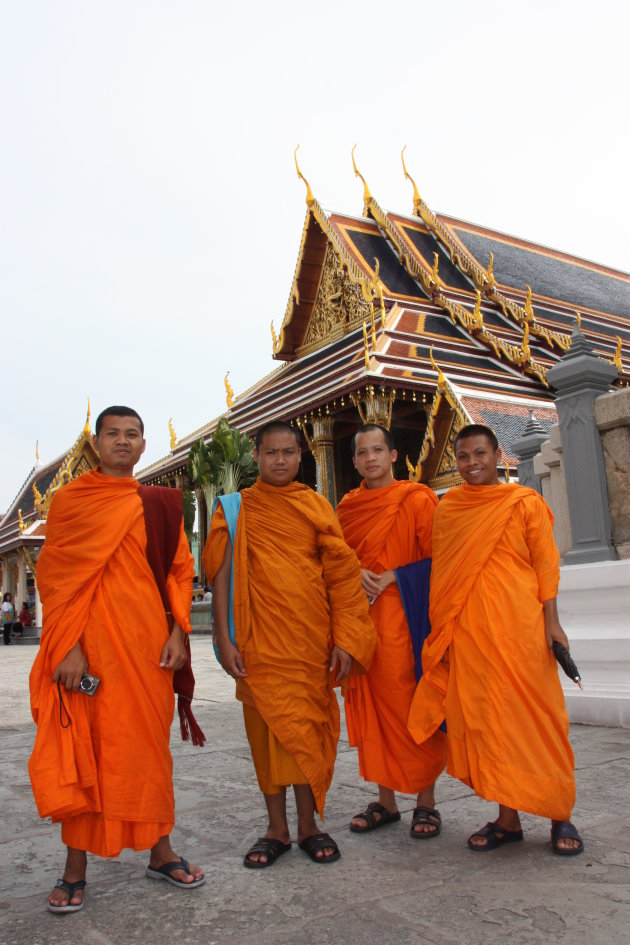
<point>488,663</point>
<point>388,523</point>
<point>290,616</point>
<point>101,764</point>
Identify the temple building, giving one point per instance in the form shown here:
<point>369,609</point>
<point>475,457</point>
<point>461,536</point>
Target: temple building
<point>421,323</point>
<point>23,527</point>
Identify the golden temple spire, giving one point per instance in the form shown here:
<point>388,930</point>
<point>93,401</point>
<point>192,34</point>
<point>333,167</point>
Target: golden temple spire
<point>310,199</point>
<point>367,196</point>
<point>171,430</point>
<point>37,459</point>
<point>578,319</point>
<point>86,428</point>
<point>229,400</point>
<point>417,199</point>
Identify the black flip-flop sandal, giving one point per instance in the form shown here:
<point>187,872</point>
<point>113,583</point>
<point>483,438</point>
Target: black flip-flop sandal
<point>71,889</point>
<point>164,872</point>
<point>371,821</point>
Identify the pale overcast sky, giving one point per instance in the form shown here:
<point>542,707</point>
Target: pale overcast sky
<point>150,213</point>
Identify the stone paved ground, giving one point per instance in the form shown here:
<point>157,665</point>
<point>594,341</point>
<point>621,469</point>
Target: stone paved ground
<point>387,888</point>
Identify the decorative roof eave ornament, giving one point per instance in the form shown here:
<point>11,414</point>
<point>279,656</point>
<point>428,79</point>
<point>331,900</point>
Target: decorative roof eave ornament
<point>367,196</point>
<point>617,357</point>
<point>374,407</point>
<point>21,523</point>
<point>37,497</point>
<point>431,284</point>
<point>445,392</point>
<point>229,393</point>
<point>483,278</point>
<point>172,434</point>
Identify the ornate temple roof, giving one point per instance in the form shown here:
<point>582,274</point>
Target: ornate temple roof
<point>389,301</point>
<point>23,525</point>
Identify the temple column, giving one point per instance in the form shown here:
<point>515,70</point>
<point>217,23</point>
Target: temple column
<point>578,378</point>
<point>322,447</point>
<point>21,593</point>
<point>526,448</point>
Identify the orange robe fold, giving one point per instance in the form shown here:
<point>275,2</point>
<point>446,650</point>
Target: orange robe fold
<point>108,774</point>
<point>486,663</point>
<point>297,588</point>
<point>389,528</point>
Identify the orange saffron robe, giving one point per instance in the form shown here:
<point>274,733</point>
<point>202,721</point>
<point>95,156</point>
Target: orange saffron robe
<point>486,663</point>
<point>297,588</point>
<point>389,528</point>
<point>107,776</point>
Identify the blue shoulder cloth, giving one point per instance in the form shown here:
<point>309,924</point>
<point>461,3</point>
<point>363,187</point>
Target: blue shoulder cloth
<point>413,583</point>
<point>231,505</point>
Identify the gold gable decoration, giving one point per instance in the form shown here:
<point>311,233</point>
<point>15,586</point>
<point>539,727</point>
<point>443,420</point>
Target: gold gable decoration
<point>81,457</point>
<point>447,407</point>
<point>340,304</point>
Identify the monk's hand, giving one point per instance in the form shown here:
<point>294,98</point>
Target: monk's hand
<point>231,660</point>
<point>385,579</point>
<point>174,654</point>
<point>370,584</point>
<point>71,668</point>
<point>553,631</point>
<point>340,661</point>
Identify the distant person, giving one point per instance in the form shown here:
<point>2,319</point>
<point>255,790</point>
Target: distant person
<point>388,523</point>
<point>115,558</point>
<point>25,615</point>
<point>488,663</point>
<point>8,618</point>
<point>300,620</point>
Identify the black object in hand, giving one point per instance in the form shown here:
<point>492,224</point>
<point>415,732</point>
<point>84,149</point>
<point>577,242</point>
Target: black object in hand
<point>566,661</point>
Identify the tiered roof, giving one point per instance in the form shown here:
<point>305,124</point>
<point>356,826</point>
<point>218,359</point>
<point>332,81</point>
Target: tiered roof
<point>387,300</point>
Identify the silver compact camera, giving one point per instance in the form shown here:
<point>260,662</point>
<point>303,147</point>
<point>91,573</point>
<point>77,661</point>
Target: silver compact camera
<point>88,684</point>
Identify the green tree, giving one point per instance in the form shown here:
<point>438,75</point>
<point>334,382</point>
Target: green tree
<point>224,465</point>
<point>189,514</point>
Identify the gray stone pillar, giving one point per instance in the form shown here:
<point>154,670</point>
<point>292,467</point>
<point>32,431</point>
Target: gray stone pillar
<point>526,447</point>
<point>578,378</point>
